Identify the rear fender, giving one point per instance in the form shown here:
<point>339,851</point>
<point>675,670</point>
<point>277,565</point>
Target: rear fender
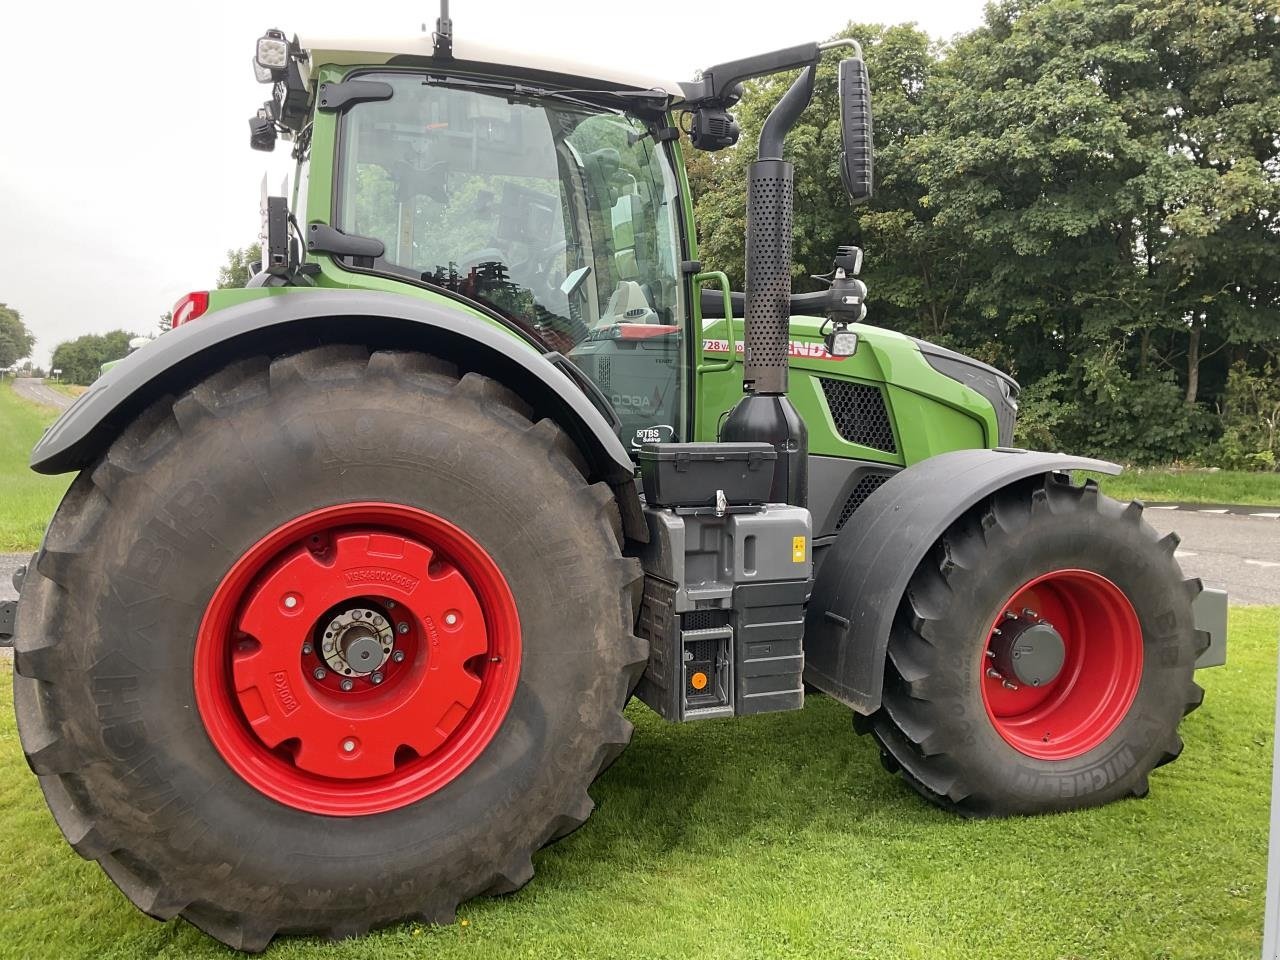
<point>866,571</point>
<point>306,319</point>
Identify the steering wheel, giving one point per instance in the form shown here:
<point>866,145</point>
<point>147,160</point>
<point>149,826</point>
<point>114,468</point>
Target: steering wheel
<point>477,257</point>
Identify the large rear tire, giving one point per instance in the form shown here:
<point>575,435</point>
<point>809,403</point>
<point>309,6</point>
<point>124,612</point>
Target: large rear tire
<point>1042,657</point>
<point>180,695</point>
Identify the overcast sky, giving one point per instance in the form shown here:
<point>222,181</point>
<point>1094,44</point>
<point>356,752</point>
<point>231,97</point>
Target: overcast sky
<point>125,169</point>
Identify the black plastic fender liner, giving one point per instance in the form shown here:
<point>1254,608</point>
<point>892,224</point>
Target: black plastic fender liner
<point>865,572</point>
<point>303,319</point>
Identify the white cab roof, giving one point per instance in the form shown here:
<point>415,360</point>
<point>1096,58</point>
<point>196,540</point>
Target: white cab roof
<point>349,51</point>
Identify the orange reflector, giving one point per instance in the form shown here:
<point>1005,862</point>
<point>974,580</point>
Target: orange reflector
<point>699,680</point>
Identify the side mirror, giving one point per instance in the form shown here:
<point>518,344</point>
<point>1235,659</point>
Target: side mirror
<point>855,130</point>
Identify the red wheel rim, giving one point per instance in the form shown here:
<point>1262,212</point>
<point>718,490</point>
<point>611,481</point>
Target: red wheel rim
<point>357,658</point>
<point>1101,668</point>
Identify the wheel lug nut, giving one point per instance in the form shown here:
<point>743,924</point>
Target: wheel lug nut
<point>290,601</point>
<point>451,619</point>
<point>348,746</point>
<point>1009,686</point>
<point>376,678</point>
<point>320,673</point>
<point>398,656</point>
<point>391,604</point>
<point>402,628</point>
<point>1030,614</point>
<point>994,674</point>
<point>348,684</point>
<point>306,648</point>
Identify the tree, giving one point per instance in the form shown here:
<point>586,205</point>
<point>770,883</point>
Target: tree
<point>1084,192</point>
<point>16,340</point>
<point>235,272</point>
<point>81,359</point>
<point>166,321</point>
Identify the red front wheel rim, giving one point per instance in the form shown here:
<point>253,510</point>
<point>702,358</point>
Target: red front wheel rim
<point>357,658</point>
<point>1087,698</point>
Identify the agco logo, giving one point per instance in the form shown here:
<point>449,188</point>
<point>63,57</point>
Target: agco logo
<point>631,402</point>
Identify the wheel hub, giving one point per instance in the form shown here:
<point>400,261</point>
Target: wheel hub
<point>1027,650</point>
<point>358,641</point>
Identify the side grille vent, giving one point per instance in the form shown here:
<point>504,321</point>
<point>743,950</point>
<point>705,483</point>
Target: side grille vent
<point>859,412</point>
<point>866,486</point>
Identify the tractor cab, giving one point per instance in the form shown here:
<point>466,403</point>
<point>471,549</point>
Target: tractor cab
<point>553,210</point>
<point>548,200</point>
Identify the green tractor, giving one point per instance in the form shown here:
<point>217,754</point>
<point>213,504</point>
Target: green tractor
<point>336,623</point>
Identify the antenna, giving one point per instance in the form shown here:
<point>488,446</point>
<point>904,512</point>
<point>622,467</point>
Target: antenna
<point>443,36</point>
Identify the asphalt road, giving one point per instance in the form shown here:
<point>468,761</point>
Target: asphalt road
<point>1235,551</point>
<point>36,390</point>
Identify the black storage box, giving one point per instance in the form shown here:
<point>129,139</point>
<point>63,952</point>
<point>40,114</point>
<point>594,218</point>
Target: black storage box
<point>689,474</point>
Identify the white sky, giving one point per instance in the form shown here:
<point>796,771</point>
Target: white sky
<point>125,168</point>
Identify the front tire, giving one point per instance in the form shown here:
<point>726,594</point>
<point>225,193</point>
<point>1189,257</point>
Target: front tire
<point>161,670</point>
<point>1091,599</point>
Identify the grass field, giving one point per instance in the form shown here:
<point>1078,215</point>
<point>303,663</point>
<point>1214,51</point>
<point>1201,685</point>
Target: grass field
<point>1194,486</point>
<point>70,389</point>
<point>27,500</point>
<point>780,837</point>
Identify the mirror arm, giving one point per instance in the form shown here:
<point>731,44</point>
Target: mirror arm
<point>843,42</point>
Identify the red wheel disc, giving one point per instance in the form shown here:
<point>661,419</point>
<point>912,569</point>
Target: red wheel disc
<point>1101,669</point>
<point>357,658</point>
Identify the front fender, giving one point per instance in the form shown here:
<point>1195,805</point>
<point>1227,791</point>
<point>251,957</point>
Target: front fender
<point>307,318</point>
<point>866,571</point>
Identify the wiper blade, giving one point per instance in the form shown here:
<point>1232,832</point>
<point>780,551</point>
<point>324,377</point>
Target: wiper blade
<point>653,99</point>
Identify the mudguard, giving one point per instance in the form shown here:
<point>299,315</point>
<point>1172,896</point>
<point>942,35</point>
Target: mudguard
<point>866,571</point>
<point>301,319</point>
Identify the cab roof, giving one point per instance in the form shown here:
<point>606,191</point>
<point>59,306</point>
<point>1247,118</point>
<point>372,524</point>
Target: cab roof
<point>478,57</point>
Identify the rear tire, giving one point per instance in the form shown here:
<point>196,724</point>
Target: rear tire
<point>960,736</point>
<point>107,641</point>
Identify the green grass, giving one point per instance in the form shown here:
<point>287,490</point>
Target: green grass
<point>780,836</point>
<point>1159,484</point>
<point>27,500</point>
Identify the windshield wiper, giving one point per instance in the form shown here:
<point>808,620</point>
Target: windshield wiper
<point>646,99</point>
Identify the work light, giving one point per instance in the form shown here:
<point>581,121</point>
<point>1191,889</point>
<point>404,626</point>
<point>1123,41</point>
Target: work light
<point>273,52</point>
<point>841,342</point>
<point>261,73</point>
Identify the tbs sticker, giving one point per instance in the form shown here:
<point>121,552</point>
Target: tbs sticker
<point>658,433</point>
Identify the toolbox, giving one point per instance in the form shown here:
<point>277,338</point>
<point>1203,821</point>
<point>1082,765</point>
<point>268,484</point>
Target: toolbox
<point>697,474</point>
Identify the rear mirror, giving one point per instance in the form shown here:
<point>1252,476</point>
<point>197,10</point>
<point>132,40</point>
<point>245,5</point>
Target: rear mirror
<point>574,280</point>
<point>855,129</point>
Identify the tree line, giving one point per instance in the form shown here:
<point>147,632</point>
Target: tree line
<point>1082,192</point>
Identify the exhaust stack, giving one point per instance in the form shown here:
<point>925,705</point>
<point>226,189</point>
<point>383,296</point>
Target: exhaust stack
<point>765,413</point>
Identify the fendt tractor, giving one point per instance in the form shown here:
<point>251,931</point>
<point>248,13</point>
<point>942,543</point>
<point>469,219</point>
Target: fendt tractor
<point>336,623</point>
